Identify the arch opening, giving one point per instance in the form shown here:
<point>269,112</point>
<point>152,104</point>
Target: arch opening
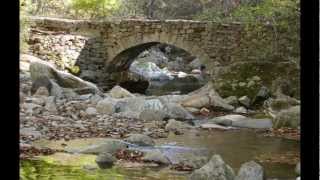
<point>158,69</point>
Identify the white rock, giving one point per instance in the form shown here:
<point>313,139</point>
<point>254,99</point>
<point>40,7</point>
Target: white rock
<point>250,171</point>
<point>91,111</point>
<point>119,92</point>
<point>241,110</point>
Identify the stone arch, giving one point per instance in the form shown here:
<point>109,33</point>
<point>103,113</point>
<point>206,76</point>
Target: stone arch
<point>123,51</point>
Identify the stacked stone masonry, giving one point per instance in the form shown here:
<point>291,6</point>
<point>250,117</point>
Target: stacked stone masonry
<point>103,46</point>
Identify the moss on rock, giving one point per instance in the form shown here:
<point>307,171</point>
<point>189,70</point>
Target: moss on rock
<point>247,78</point>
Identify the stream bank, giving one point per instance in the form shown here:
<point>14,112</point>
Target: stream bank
<point>65,112</point>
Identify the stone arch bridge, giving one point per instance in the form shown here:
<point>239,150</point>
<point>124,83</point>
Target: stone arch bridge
<point>220,46</point>
<point>207,41</point>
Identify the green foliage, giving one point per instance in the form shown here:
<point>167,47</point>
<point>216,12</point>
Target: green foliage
<point>129,8</point>
<point>94,9</point>
<point>272,11</point>
<point>272,28</point>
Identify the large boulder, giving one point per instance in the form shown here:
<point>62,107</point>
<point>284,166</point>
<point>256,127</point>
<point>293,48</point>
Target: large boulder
<point>216,169</point>
<point>140,139</point>
<point>39,69</point>
<point>206,97</point>
<point>288,118</point>
<point>250,171</point>
<point>119,92</point>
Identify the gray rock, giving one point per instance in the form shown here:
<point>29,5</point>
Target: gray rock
<point>119,92</point>
<point>42,91</point>
<point>176,111</point>
<point>172,98</point>
<point>108,146</point>
<point>242,121</point>
<point>250,171</point>
<point>107,106</point>
<point>232,100</point>
<point>253,123</point>
<point>51,104</point>
<point>152,104</point>
<point>152,115</point>
<point>297,169</point>
<point>205,97</point>
<point>41,69</point>
<point>91,111</point>
<point>131,104</point>
<point>176,126</point>
<point>69,93</point>
<point>216,169</point>
<point>244,100</point>
<point>94,99</point>
<point>56,90</point>
<point>140,139</point>
<point>288,118</point>
<point>241,109</point>
<point>105,160</point>
<point>227,120</point>
<point>190,159</point>
<point>156,156</point>
<point>139,104</point>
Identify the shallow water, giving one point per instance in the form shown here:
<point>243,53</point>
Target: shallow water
<point>235,147</point>
<point>239,146</point>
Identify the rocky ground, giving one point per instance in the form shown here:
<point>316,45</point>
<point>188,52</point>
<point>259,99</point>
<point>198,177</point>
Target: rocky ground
<point>56,105</point>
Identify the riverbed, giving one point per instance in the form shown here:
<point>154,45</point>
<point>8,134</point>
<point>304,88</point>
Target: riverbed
<point>235,146</point>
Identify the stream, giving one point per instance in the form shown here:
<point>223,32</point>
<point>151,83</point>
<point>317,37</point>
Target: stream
<point>236,147</point>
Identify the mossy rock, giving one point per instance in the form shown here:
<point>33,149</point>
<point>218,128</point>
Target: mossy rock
<point>246,78</point>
